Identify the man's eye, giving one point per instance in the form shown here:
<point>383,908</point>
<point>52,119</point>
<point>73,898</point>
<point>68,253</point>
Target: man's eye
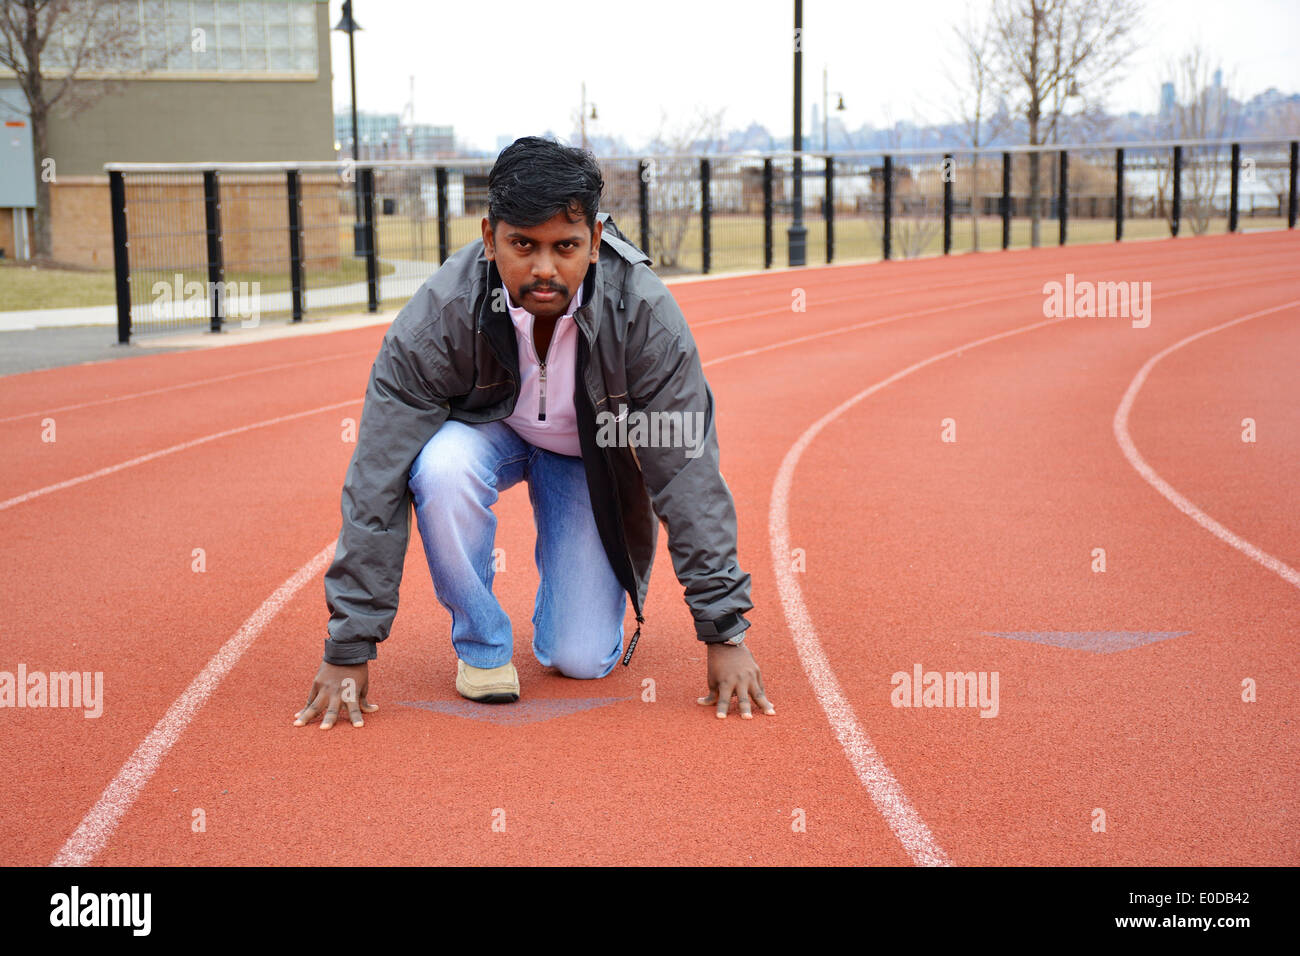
<point>521,243</point>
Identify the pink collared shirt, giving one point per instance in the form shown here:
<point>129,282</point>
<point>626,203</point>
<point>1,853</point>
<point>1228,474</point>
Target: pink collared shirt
<point>547,391</point>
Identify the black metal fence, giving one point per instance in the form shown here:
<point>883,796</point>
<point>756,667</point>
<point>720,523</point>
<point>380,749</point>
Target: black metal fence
<point>207,244</point>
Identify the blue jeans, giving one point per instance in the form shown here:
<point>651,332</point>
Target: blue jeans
<point>455,481</point>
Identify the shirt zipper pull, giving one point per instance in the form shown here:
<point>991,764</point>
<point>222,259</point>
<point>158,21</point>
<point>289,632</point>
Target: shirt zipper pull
<point>635,637</point>
<point>541,394</point>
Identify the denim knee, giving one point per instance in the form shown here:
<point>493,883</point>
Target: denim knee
<point>580,666</point>
<point>441,476</point>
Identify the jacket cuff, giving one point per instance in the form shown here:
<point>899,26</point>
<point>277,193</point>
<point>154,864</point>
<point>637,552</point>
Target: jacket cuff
<point>712,632</point>
<point>346,655</point>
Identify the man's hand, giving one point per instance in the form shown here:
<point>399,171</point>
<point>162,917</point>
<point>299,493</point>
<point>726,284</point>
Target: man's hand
<point>335,685</point>
<point>733,671</point>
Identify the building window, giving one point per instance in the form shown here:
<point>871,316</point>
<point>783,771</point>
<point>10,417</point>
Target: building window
<point>205,36</point>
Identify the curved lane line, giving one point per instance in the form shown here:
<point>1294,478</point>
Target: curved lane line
<point>99,823</point>
<point>1120,426</point>
<point>880,784</point>
<point>195,384</point>
<point>110,469</point>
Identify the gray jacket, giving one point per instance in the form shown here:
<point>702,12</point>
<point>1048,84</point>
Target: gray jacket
<point>452,353</point>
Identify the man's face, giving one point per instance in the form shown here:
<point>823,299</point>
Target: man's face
<point>543,266</point>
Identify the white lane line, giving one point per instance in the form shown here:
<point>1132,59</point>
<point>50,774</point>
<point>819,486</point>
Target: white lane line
<point>951,306</point>
<point>195,384</point>
<point>28,496</point>
<point>1246,280</point>
<point>1120,426</point>
<point>884,790</point>
<point>93,834</point>
<point>1034,277</point>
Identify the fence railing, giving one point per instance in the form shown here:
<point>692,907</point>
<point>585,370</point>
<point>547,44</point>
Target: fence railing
<point>205,244</point>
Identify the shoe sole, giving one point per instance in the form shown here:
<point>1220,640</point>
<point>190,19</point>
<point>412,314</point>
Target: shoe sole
<point>493,698</point>
<point>497,696</point>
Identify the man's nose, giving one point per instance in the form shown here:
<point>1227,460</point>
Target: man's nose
<point>543,266</point>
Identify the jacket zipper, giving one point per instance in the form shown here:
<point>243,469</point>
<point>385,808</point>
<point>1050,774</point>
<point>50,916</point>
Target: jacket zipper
<point>541,368</point>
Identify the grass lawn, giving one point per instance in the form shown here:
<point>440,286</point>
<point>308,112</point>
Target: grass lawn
<point>27,287</point>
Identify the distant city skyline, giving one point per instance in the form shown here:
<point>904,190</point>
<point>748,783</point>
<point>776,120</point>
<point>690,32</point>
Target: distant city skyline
<point>888,61</point>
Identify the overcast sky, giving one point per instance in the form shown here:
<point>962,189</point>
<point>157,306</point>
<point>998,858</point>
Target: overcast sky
<point>510,67</point>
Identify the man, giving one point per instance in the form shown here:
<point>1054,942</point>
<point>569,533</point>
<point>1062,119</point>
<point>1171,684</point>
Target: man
<point>539,354</point>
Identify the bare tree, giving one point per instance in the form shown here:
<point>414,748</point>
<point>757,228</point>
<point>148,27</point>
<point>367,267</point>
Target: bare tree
<point>1283,124</point>
<point>64,54</point>
<point>975,87</point>
<point>1049,50</point>
<point>675,194</point>
<point>1202,109</point>
<point>916,218</point>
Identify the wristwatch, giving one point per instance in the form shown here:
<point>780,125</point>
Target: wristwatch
<point>726,623</point>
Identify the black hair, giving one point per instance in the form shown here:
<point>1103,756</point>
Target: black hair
<point>534,178</point>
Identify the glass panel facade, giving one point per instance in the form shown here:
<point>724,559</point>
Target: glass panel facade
<point>201,36</point>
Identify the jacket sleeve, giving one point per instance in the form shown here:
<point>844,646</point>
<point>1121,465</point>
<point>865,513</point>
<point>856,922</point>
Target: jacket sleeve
<point>681,468</point>
<point>404,406</point>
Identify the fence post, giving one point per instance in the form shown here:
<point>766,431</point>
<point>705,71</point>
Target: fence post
<point>1006,200</point>
<point>947,203</point>
<point>122,268</point>
<point>767,208</point>
<point>440,187</point>
<point>295,242</point>
<point>372,255</point>
<point>216,268</point>
<point>1119,194</point>
<point>705,203</point>
<point>829,209</point>
<point>643,202</point>
<point>1236,170</point>
<point>888,211</point>
<point>1174,220</point>
<point>1295,162</point>
<point>1063,209</point>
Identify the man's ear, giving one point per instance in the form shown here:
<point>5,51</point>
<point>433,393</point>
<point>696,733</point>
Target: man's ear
<point>489,240</point>
<point>595,240</point>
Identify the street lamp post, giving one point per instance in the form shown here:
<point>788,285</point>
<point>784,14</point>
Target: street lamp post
<point>582,114</point>
<point>797,235</point>
<point>825,118</point>
<point>350,26</point>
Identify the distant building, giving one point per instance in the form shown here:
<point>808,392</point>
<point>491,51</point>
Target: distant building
<point>384,136</point>
<point>1168,100</point>
<point>240,81</point>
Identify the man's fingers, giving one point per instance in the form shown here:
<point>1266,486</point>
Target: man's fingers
<point>315,689</point>
<point>724,698</point>
<point>710,699</point>
<point>331,712</point>
<point>745,711</point>
<point>308,713</point>
<point>761,699</point>
<point>368,707</point>
<point>354,714</point>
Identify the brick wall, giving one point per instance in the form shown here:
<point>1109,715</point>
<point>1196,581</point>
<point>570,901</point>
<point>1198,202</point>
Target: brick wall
<point>165,222</point>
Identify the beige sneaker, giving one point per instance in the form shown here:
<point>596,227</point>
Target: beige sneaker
<point>491,685</point>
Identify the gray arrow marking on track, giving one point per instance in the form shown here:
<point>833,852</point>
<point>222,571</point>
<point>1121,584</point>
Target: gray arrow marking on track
<point>1097,642</point>
<point>520,712</point>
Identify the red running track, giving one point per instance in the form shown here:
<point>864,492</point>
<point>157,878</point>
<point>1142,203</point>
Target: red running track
<point>912,551</point>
